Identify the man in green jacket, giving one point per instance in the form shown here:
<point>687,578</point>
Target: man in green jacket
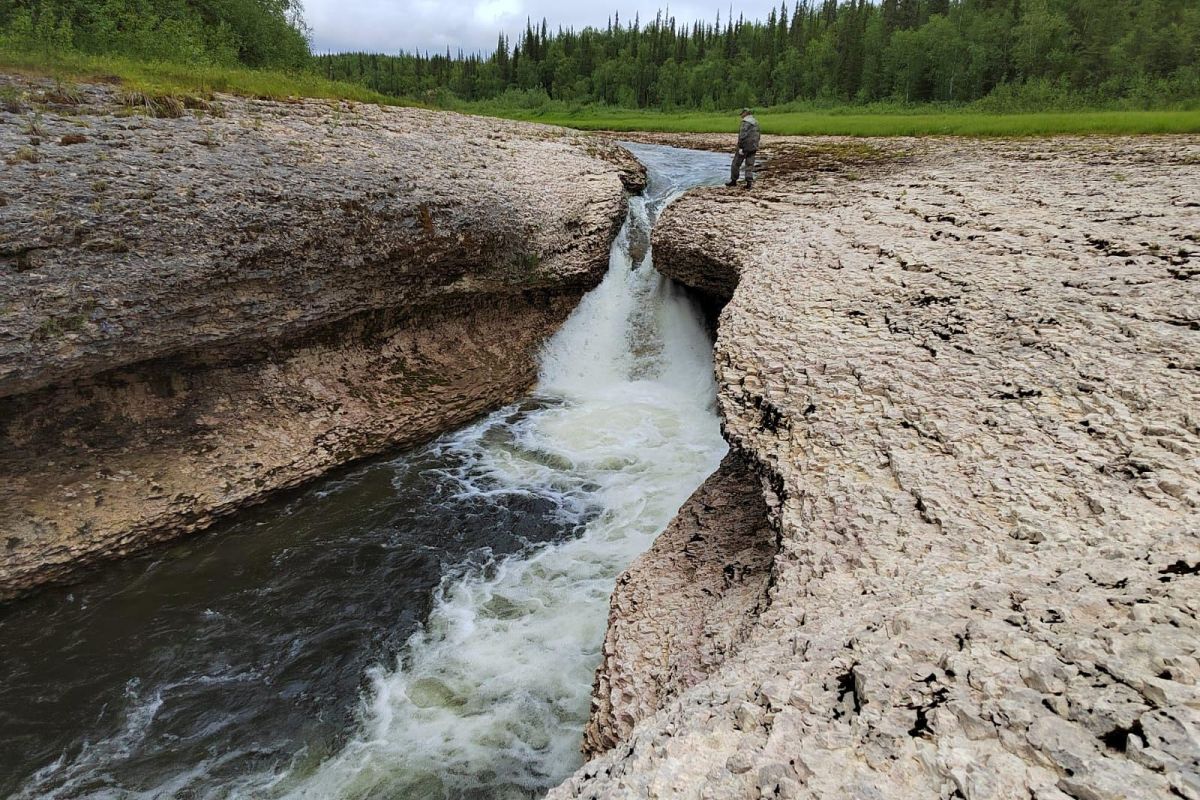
<point>747,149</point>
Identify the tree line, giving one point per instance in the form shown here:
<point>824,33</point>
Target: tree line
<point>253,33</point>
<point>1042,52</point>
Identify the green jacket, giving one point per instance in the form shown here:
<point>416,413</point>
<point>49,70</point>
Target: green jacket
<point>748,136</point>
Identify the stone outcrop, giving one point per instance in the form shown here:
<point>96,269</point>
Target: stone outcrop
<point>205,305</point>
<point>685,605</point>
<point>968,373</point>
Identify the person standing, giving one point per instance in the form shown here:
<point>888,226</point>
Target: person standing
<point>747,149</point>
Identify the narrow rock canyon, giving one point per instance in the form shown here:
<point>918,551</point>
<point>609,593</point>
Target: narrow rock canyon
<point>953,552</point>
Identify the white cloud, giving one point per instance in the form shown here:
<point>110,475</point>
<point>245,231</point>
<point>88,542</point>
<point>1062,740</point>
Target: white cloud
<point>497,12</point>
<point>387,26</point>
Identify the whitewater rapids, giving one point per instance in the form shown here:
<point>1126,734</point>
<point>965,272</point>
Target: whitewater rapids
<point>490,698</point>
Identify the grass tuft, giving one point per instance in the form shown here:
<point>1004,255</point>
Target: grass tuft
<point>158,79</point>
<point>12,100</point>
<point>159,105</point>
<point>61,94</point>
<point>23,155</point>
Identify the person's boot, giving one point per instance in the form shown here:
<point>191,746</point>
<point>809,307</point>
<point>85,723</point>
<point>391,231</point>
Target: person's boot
<point>748,185</point>
<point>731,183</point>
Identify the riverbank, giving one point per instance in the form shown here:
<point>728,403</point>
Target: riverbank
<point>964,377</point>
<point>207,304</point>
<point>189,83</point>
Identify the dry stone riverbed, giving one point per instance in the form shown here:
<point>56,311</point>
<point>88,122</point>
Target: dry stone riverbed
<point>967,374</point>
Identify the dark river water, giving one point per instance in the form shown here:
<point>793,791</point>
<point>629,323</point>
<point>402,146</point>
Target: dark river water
<point>423,626</point>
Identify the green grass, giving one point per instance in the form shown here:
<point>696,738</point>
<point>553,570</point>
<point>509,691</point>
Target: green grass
<point>161,78</point>
<point>964,123</point>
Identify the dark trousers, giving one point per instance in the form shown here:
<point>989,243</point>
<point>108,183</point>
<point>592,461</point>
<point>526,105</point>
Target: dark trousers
<point>739,158</point>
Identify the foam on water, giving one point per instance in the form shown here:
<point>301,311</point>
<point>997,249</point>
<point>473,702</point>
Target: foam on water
<point>489,699</point>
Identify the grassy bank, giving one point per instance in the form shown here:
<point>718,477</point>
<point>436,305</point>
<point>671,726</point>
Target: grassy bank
<point>962,123</point>
<point>157,77</point>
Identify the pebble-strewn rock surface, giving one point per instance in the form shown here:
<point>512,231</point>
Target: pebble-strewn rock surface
<point>203,305</point>
<point>968,373</point>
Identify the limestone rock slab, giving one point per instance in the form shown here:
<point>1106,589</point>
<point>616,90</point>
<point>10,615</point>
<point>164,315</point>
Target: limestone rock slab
<point>968,372</point>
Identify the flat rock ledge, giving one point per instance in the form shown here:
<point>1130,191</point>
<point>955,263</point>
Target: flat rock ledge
<point>966,375</point>
<point>207,300</point>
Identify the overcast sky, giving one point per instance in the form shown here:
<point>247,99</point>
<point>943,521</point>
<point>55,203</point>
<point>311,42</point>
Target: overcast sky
<point>386,26</point>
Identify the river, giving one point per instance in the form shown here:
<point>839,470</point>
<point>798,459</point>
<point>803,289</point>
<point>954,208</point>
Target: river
<point>421,626</point>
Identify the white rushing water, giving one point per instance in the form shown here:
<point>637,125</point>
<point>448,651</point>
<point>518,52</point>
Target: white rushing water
<point>489,699</point>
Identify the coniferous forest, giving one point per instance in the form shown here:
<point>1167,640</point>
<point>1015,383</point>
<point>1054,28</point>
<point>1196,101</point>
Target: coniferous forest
<point>252,33</point>
<point>1006,54</point>
<point>1045,52</point>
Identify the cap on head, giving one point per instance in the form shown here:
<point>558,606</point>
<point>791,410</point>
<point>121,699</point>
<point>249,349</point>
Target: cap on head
<point>745,111</point>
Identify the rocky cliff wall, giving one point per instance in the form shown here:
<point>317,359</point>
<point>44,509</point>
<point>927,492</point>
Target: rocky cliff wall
<point>204,305</point>
<point>685,605</point>
<point>968,374</point>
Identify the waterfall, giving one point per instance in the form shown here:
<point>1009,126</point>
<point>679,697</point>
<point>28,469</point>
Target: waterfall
<point>490,698</point>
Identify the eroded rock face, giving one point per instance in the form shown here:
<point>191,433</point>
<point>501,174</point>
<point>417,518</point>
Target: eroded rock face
<point>684,605</point>
<point>970,373</point>
<point>201,310</point>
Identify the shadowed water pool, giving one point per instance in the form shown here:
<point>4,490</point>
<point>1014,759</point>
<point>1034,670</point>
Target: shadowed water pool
<point>425,626</point>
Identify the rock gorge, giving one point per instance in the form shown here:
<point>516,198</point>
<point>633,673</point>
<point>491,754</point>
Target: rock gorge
<point>952,553</point>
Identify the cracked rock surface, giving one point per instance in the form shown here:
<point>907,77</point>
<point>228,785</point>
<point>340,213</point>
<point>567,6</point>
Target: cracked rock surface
<point>199,310</point>
<point>967,374</point>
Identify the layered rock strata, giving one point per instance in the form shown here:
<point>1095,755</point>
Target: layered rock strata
<point>205,306</point>
<point>969,375</point>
